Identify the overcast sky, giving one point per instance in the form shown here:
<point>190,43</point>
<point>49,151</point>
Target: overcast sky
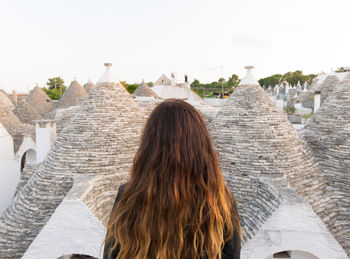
<point>146,38</point>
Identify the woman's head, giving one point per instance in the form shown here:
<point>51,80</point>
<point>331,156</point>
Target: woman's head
<point>176,204</point>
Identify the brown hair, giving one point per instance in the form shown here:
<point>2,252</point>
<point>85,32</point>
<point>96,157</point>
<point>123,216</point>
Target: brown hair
<point>176,204</point>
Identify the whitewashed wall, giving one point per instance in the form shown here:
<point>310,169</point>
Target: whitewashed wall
<point>72,229</point>
<point>170,91</point>
<point>8,176</point>
<point>27,149</point>
<point>296,228</point>
<point>45,138</point>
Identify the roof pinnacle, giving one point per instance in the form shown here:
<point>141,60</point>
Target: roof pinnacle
<point>249,79</point>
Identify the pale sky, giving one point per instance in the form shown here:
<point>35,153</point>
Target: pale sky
<point>40,39</point>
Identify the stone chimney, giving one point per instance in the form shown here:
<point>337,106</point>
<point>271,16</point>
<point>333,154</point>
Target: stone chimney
<point>287,89</point>
<point>14,97</point>
<point>317,100</point>
<point>45,137</point>
<point>277,88</point>
<point>108,76</point>
<point>249,78</point>
<point>173,79</point>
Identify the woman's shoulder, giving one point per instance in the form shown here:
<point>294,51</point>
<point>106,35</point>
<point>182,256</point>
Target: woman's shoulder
<point>120,192</point>
<point>122,187</point>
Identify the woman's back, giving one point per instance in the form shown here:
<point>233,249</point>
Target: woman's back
<point>231,249</point>
<point>176,204</point>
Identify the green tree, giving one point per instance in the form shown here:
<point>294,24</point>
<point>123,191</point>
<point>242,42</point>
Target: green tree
<point>54,94</point>
<point>340,69</point>
<point>271,80</point>
<point>233,81</point>
<point>294,77</point>
<point>289,110</point>
<point>290,77</point>
<point>215,87</point>
<point>55,83</point>
<point>221,80</point>
<point>310,78</point>
<point>129,87</point>
<point>195,84</point>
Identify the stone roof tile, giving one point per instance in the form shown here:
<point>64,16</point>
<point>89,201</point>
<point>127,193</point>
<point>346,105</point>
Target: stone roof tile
<point>39,100</point>
<point>328,134</point>
<point>101,139</point>
<point>73,94</point>
<point>14,126</point>
<point>26,113</point>
<point>145,91</point>
<point>89,86</point>
<point>258,148</point>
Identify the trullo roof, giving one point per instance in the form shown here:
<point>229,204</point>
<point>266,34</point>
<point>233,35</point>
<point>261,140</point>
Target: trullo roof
<point>101,139</point>
<point>261,154</point>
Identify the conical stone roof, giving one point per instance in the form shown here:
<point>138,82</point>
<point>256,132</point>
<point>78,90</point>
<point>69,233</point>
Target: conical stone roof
<point>74,93</point>
<point>14,126</point>
<point>63,116</point>
<point>4,92</point>
<point>327,86</point>
<point>307,97</point>
<point>101,139</point>
<point>143,90</point>
<point>39,100</point>
<point>260,151</point>
<point>328,134</point>
<point>163,80</point>
<point>147,105</point>
<point>6,101</point>
<point>101,194</point>
<point>26,113</point>
<point>89,86</point>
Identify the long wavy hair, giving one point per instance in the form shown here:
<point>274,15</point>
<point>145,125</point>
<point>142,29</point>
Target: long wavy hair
<point>176,204</point>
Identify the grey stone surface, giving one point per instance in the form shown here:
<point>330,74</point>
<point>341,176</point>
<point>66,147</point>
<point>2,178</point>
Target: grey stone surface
<point>39,100</point>
<point>26,174</point>
<point>263,159</point>
<point>5,99</point>
<point>62,116</point>
<point>74,94</point>
<point>295,119</point>
<point>163,80</point>
<point>89,86</point>
<point>145,91</point>
<point>14,126</point>
<point>260,153</point>
<point>26,113</point>
<point>325,87</point>
<point>328,134</point>
<point>100,140</point>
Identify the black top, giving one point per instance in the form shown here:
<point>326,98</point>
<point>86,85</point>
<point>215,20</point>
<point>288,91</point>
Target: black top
<point>231,250</point>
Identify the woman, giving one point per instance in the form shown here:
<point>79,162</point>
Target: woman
<point>176,204</point>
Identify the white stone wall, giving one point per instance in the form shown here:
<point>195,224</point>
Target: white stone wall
<point>72,229</point>
<point>278,102</point>
<point>10,165</point>
<point>6,145</point>
<point>27,144</point>
<point>8,176</point>
<point>296,228</point>
<point>169,91</point>
<point>45,138</point>
<point>317,102</point>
